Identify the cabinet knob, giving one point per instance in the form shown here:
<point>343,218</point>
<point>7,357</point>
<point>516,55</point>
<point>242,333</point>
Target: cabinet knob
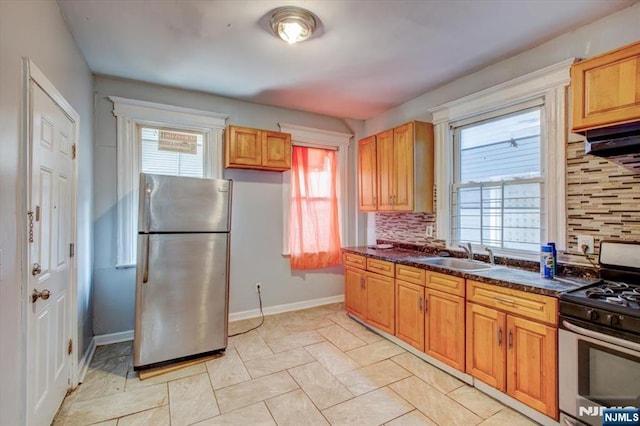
<point>499,336</point>
<point>510,339</point>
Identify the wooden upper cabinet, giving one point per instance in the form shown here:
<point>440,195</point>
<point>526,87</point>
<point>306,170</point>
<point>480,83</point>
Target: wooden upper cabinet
<point>385,165</point>
<point>367,174</point>
<point>247,148</point>
<point>606,89</point>
<point>403,168</point>
<point>276,150</point>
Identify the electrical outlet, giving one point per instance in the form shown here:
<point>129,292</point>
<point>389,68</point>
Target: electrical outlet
<point>585,240</point>
<point>428,233</point>
<point>258,287</point>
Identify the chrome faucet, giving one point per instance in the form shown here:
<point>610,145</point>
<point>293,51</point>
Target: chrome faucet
<point>492,259</point>
<point>467,248</point>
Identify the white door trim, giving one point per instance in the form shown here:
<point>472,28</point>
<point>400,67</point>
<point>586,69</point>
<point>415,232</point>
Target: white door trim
<point>31,74</point>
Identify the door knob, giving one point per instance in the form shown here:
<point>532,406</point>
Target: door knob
<point>44,295</point>
<point>36,269</point>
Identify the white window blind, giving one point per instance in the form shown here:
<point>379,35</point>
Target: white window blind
<point>497,193</point>
<point>159,161</point>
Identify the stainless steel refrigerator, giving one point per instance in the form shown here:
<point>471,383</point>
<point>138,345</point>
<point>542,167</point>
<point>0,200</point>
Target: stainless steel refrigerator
<point>182,276</point>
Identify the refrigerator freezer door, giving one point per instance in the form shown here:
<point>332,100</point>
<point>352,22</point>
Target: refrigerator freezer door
<point>183,204</point>
<point>182,308</point>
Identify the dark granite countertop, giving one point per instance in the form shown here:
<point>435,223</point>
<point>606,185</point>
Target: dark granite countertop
<point>503,276</point>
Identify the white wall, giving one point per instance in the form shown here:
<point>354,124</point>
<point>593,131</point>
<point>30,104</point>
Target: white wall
<point>36,29</point>
<point>598,37</point>
<point>256,238</point>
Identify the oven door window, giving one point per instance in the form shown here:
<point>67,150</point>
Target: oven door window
<point>608,377</point>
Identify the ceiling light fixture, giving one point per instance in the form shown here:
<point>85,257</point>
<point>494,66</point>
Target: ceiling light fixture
<point>293,24</point>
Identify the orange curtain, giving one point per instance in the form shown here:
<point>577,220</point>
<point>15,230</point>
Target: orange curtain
<point>314,229</point>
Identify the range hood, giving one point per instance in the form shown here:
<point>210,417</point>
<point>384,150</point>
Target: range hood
<point>612,141</point>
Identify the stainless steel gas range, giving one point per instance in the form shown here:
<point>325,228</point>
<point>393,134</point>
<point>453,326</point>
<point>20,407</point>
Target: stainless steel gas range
<point>599,339</point>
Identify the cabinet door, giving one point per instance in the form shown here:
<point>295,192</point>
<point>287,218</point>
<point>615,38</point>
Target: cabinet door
<point>531,364</point>
<point>354,300</point>
<point>410,313</point>
<point>276,150</point>
<point>367,176</point>
<point>486,341</point>
<point>243,147</point>
<point>606,89</point>
<point>444,328</point>
<point>403,167</point>
<point>384,163</point>
<point>380,302</point>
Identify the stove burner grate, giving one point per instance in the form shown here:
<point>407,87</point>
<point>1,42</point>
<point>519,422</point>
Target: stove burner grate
<point>617,300</point>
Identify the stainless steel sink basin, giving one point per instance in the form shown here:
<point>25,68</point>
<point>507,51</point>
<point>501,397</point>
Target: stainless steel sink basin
<point>455,263</point>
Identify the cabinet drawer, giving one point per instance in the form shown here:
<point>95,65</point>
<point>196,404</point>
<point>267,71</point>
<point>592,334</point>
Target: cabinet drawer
<point>410,274</point>
<point>446,283</point>
<point>528,305</point>
<point>381,267</point>
<point>355,260</point>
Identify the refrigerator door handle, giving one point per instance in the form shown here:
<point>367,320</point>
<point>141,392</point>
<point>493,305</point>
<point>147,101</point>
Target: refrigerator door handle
<point>147,203</point>
<point>145,266</point>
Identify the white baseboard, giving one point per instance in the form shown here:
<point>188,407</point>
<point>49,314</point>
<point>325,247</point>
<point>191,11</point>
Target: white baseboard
<point>83,366</point>
<point>107,339</point>
<point>125,336</point>
<point>278,309</point>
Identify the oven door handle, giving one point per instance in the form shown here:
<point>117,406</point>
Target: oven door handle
<point>599,336</point>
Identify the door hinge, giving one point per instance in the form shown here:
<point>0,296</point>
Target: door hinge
<point>73,151</point>
<point>72,249</point>
<point>70,347</point>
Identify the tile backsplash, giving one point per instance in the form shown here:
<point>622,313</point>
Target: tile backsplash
<point>603,200</point>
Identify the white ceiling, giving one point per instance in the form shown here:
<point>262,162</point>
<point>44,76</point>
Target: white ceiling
<point>369,56</point>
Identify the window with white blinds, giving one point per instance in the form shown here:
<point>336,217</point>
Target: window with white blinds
<point>156,158</point>
<point>498,185</point>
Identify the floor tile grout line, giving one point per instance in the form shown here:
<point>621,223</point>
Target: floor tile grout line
<point>419,410</point>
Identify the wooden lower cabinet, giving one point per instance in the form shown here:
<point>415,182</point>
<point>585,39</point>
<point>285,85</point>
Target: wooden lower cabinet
<point>380,302</point>
<point>354,291</point>
<point>431,321</point>
<point>514,355</point>
<point>369,296</point>
<point>485,345</point>
<point>445,328</point>
<point>531,364</point>
<point>410,313</point>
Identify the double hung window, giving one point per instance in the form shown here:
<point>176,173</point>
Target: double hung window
<point>500,156</point>
<point>498,183</point>
<point>163,139</point>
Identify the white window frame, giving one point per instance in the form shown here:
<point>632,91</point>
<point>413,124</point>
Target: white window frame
<point>130,114</point>
<point>324,139</point>
<point>549,84</point>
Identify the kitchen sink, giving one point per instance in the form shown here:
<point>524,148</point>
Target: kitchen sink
<point>455,263</point>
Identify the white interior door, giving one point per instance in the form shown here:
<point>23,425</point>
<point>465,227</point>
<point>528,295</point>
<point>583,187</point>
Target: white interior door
<point>50,263</point>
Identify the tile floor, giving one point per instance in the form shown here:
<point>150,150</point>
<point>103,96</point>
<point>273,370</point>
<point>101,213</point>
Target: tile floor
<point>310,367</point>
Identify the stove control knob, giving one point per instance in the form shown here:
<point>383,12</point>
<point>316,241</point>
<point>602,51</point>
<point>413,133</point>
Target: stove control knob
<point>614,319</point>
<point>592,314</point>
